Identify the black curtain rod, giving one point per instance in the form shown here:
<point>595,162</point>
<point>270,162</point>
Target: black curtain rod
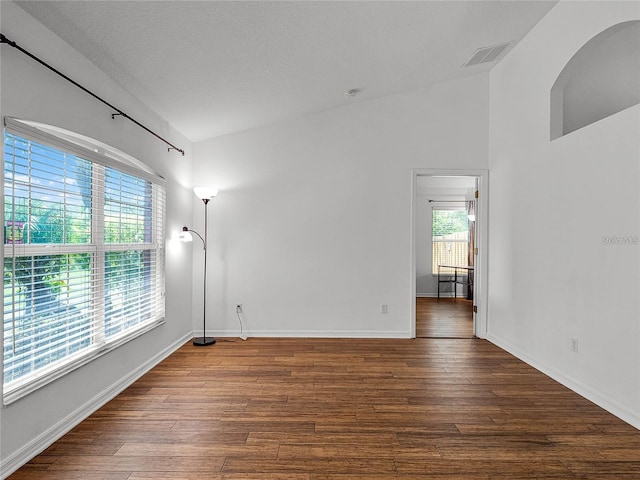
<point>4,39</point>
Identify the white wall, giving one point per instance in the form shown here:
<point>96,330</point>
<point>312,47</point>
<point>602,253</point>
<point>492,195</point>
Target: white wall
<point>312,228</point>
<point>31,92</point>
<point>551,203</point>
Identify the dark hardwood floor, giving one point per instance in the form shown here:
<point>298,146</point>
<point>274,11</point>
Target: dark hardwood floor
<point>317,409</point>
<point>444,318</point>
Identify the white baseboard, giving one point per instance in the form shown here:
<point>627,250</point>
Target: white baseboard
<point>47,438</point>
<point>602,400</point>
<point>313,334</point>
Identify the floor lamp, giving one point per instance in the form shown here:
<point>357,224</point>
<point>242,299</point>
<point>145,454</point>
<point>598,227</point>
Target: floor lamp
<point>205,194</point>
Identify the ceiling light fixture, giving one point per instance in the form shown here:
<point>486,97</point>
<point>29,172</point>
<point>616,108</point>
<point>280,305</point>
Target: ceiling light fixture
<point>352,92</point>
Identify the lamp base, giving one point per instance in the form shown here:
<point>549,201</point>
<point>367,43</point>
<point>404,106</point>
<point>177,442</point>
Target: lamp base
<point>203,341</point>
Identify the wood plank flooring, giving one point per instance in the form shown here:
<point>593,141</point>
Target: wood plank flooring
<point>317,409</point>
<point>444,318</point>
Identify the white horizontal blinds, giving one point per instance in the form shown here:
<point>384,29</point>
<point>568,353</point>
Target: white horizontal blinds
<point>84,260</point>
<point>47,194</point>
<point>128,290</point>
<point>128,211</point>
<point>44,325</point>
<point>47,295</point>
<point>130,256</point>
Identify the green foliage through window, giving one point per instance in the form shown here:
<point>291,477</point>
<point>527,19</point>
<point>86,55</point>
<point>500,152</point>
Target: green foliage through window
<point>446,222</point>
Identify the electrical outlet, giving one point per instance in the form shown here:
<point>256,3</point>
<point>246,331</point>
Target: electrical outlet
<point>384,309</point>
<point>239,307</point>
<point>574,344</point>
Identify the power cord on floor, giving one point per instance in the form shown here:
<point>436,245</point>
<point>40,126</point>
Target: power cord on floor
<point>239,311</point>
<point>243,336</point>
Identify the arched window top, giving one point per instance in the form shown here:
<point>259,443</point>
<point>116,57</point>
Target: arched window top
<point>601,79</point>
<point>90,148</point>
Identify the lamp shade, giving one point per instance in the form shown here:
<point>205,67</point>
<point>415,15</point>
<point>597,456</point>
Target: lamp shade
<point>185,235</point>
<point>205,193</point>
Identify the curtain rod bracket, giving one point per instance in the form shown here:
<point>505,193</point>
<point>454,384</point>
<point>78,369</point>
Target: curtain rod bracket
<point>177,149</point>
<point>4,39</point>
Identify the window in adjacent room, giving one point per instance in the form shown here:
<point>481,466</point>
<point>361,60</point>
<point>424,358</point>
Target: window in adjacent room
<point>450,237</point>
<point>83,256</point>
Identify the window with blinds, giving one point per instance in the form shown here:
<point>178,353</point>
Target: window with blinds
<point>83,256</point>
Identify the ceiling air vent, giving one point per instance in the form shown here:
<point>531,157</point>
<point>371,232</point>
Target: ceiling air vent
<point>486,54</point>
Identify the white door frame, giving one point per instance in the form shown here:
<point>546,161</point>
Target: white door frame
<point>481,278</point>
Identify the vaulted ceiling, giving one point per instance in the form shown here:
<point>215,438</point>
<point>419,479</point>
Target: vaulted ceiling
<point>211,68</point>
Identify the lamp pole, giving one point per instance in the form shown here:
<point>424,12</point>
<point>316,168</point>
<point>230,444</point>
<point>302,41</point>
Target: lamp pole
<point>205,194</point>
<point>204,340</point>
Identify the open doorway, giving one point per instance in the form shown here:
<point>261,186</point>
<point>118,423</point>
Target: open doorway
<point>446,248</point>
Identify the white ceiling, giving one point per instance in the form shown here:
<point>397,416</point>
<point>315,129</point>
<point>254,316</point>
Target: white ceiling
<point>211,68</point>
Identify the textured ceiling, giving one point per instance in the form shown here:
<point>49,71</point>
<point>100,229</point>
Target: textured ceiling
<point>211,68</point>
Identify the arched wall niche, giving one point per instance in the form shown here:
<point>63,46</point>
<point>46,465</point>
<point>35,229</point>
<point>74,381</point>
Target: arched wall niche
<point>601,79</point>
